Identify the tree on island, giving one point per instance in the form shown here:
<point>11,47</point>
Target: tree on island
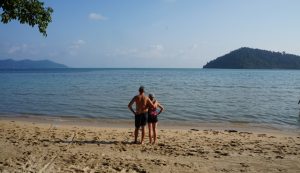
<point>249,58</point>
<point>31,12</point>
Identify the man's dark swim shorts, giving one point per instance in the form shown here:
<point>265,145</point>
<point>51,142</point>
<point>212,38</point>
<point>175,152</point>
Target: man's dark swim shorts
<point>140,120</point>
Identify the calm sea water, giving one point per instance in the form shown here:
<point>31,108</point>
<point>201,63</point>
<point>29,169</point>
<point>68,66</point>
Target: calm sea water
<point>198,95</point>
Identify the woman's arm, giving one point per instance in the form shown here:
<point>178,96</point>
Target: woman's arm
<point>160,107</point>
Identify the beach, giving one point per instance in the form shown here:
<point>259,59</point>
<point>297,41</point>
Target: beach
<point>27,145</point>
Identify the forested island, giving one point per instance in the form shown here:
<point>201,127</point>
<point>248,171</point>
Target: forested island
<point>29,64</point>
<point>248,58</point>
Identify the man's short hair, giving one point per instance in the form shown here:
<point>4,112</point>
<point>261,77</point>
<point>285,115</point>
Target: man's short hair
<point>141,89</point>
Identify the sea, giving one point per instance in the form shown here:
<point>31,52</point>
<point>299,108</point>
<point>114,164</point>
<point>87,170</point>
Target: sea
<point>188,95</point>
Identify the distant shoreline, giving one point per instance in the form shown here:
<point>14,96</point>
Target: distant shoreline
<point>139,68</point>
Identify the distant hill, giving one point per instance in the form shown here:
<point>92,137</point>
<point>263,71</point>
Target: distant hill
<point>248,58</point>
<point>29,64</point>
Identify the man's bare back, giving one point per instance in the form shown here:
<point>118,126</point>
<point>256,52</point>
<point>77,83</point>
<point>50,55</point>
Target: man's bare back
<point>142,103</point>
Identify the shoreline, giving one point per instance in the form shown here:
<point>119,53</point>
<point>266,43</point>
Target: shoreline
<point>35,146</point>
<point>129,123</point>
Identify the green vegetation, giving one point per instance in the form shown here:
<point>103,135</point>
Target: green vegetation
<point>29,64</point>
<point>31,12</point>
<point>248,58</point>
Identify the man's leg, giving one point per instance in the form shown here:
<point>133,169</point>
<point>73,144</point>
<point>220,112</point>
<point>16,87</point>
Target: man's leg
<point>137,127</point>
<point>143,124</point>
<point>143,134</point>
<point>136,133</point>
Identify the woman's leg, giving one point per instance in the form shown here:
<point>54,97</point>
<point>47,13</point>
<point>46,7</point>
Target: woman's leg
<point>154,126</point>
<point>150,134</point>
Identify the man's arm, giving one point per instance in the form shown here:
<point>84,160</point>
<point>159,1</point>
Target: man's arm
<point>130,105</point>
<point>149,103</point>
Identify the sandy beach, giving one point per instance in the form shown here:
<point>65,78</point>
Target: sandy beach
<point>30,146</point>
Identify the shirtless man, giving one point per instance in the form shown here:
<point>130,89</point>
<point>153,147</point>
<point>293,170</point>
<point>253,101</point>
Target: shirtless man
<point>142,103</point>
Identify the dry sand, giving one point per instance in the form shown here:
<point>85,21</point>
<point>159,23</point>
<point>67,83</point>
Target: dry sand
<point>44,147</point>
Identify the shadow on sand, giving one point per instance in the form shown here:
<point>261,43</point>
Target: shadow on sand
<point>88,142</point>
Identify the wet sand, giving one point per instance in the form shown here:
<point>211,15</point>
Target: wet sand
<point>27,145</point>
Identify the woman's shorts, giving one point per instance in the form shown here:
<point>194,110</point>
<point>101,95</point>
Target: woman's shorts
<point>152,119</point>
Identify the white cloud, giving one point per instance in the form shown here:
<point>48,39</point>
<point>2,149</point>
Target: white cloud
<point>18,48</point>
<point>124,52</point>
<point>22,49</point>
<point>194,46</point>
<point>80,42</point>
<point>157,47</point>
<point>184,55</point>
<point>75,46</point>
<point>95,16</point>
<point>151,51</point>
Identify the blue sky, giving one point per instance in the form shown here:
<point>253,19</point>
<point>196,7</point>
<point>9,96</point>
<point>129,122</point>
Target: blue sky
<point>154,33</point>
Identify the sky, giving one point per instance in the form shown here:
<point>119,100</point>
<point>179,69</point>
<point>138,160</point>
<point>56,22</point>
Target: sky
<point>153,33</point>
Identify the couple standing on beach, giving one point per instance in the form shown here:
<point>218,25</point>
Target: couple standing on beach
<point>145,106</point>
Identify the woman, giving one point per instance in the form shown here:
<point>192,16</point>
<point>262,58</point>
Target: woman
<point>152,118</point>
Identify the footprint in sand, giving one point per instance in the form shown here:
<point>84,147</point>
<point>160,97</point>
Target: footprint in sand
<point>231,131</point>
<point>95,138</point>
<point>279,157</point>
<point>221,153</point>
<point>244,165</point>
<point>52,136</point>
<point>67,135</point>
<point>182,165</point>
<point>261,135</point>
<point>159,162</point>
<point>194,129</point>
